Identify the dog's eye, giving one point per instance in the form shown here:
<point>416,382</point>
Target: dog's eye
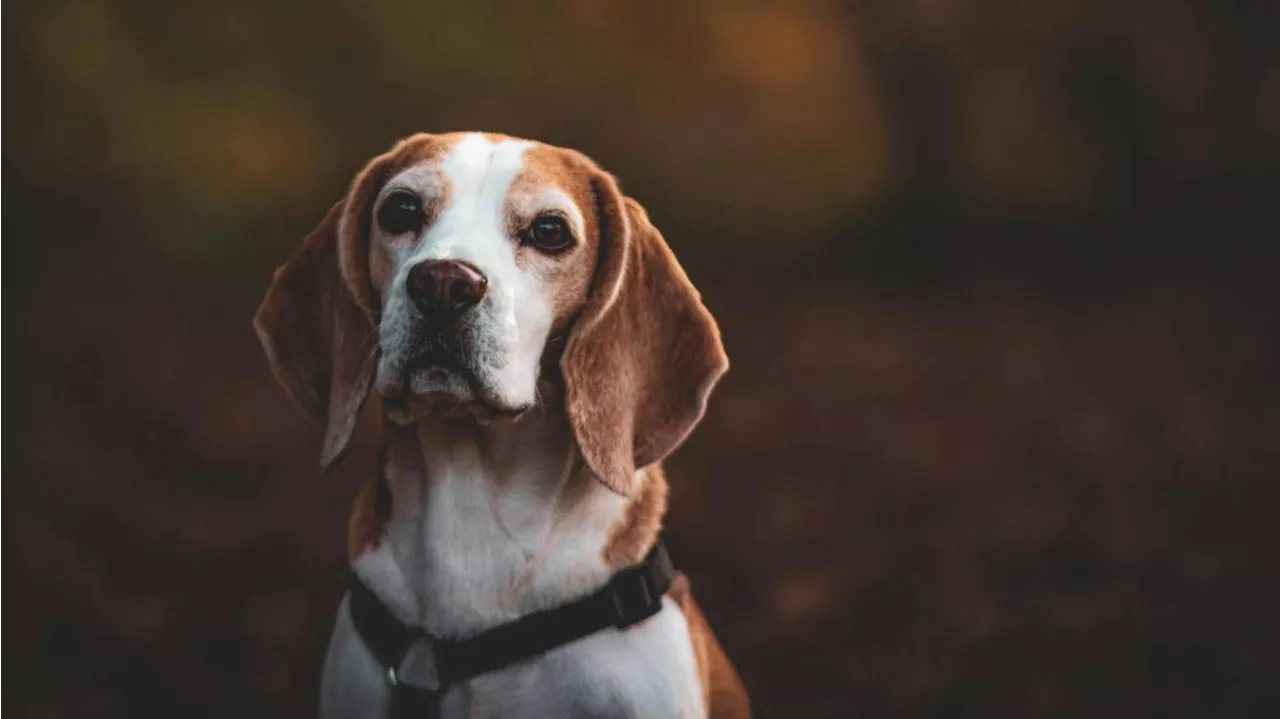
<point>549,234</point>
<point>401,212</point>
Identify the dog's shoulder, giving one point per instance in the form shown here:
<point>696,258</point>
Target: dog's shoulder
<point>723,692</point>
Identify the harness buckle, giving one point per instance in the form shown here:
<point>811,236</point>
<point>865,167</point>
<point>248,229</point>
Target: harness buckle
<point>414,701</point>
<point>634,597</point>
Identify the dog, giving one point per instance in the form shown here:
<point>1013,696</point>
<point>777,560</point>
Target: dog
<point>537,352</point>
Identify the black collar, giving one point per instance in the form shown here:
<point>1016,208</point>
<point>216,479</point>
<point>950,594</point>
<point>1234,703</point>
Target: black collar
<point>633,595</point>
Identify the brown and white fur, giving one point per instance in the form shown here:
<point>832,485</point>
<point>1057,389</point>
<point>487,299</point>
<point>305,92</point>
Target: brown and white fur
<point>522,437</point>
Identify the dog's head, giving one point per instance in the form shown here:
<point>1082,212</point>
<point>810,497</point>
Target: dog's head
<point>462,269</point>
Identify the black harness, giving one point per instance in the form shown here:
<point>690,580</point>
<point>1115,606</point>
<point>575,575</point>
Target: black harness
<point>633,595</point>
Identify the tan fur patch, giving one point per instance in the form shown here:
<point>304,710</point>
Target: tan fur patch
<point>569,172</point>
<point>631,536</point>
<point>321,344</point>
<point>417,150</point>
<point>722,691</point>
<point>318,321</point>
<point>645,353</point>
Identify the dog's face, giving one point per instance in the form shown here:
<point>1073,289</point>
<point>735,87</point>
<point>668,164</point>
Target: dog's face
<point>479,250</point>
<point>462,269</point>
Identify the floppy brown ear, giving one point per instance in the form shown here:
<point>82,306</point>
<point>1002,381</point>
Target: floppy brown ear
<point>321,343</point>
<point>644,353</point>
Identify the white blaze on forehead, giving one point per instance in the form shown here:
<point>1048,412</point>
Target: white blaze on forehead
<point>472,227</point>
<point>481,168</point>
<point>480,172</point>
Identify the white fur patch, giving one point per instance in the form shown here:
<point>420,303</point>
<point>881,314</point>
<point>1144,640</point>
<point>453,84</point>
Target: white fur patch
<point>488,524</point>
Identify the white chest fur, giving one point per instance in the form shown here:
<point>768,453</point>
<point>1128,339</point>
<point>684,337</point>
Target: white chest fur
<point>488,524</point>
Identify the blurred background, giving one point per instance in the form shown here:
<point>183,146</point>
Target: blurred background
<point>997,279</point>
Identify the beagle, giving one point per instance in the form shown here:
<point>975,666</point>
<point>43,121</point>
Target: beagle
<point>537,351</point>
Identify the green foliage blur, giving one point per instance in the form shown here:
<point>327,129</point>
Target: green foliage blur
<point>758,130</point>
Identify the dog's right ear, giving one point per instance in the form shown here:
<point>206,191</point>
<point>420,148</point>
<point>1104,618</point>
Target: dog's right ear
<point>644,354</point>
<point>318,322</point>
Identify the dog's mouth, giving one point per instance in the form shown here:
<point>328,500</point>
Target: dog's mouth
<point>437,382</point>
<point>439,374</point>
<point>438,365</point>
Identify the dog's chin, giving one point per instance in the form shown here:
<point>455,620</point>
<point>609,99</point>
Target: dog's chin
<point>445,392</point>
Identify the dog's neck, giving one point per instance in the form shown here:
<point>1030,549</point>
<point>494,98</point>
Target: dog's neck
<point>488,522</point>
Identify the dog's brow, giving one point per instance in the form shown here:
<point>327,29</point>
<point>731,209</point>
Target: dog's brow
<point>424,177</point>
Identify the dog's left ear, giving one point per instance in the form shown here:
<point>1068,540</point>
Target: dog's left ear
<point>318,321</point>
<point>643,355</point>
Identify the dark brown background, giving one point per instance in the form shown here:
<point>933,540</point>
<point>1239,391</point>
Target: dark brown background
<point>997,280</point>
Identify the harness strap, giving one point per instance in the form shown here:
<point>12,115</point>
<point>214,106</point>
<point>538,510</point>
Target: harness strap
<point>632,595</point>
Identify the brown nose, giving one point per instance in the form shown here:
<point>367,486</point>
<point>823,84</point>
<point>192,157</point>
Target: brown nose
<point>445,286</point>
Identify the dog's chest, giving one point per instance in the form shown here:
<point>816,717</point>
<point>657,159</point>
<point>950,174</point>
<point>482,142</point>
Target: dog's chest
<point>460,557</point>
<point>465,551</point>
<point>645,671</point>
